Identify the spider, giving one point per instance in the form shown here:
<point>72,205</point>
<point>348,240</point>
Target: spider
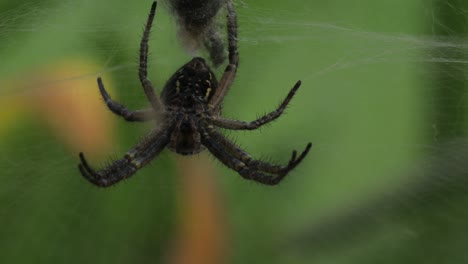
<point>189,110</point>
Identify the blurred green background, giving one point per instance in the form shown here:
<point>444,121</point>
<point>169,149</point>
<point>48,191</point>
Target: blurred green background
<point>383,102</point>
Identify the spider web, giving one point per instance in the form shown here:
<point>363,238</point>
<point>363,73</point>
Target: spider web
<point>383,101</point>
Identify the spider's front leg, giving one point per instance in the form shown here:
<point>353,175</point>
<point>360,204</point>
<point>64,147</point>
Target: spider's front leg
<point>243,156</point>
<point>241,125</point>
<point>120,110</point>
<point>117,171</point>
<point>235,158</point>
<point>140,155</point>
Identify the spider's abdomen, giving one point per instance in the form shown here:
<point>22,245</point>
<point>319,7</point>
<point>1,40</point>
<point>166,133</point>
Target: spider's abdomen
<point>194,83</point>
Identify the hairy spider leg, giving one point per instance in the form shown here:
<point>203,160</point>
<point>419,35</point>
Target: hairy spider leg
<point>259,165</point>
<point>143,115</point>
<point>242,125</point>
<point>143,70</point>
<point>243,169</point>
<point>231,69</point>
<point>137,157</point>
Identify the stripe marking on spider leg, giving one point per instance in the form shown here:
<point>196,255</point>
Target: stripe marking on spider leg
<point>246,158</point>
<point>238,165</point>
<point>137,164</point>
<point>130,155</point>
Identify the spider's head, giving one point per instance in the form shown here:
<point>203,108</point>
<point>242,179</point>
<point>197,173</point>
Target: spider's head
<point>192,83</point>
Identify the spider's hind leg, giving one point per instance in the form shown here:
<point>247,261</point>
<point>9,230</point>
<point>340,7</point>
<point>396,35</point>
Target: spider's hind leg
<point>120,110</point>
<point>231,69</point>
<point>143,69</point>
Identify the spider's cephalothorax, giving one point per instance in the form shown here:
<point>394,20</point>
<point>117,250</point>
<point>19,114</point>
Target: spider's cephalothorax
<point>189,119</point>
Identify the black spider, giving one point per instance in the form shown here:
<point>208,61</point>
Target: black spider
<point>190,115</point>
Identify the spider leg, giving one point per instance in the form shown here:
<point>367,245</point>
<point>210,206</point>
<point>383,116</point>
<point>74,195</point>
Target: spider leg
<point>143,70</point>
<point>119,109</point>
<point>241,125</point>
<point>137,157</point>
<point>231,68</point>
<point>258,164</point>
<point>248,168</point>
